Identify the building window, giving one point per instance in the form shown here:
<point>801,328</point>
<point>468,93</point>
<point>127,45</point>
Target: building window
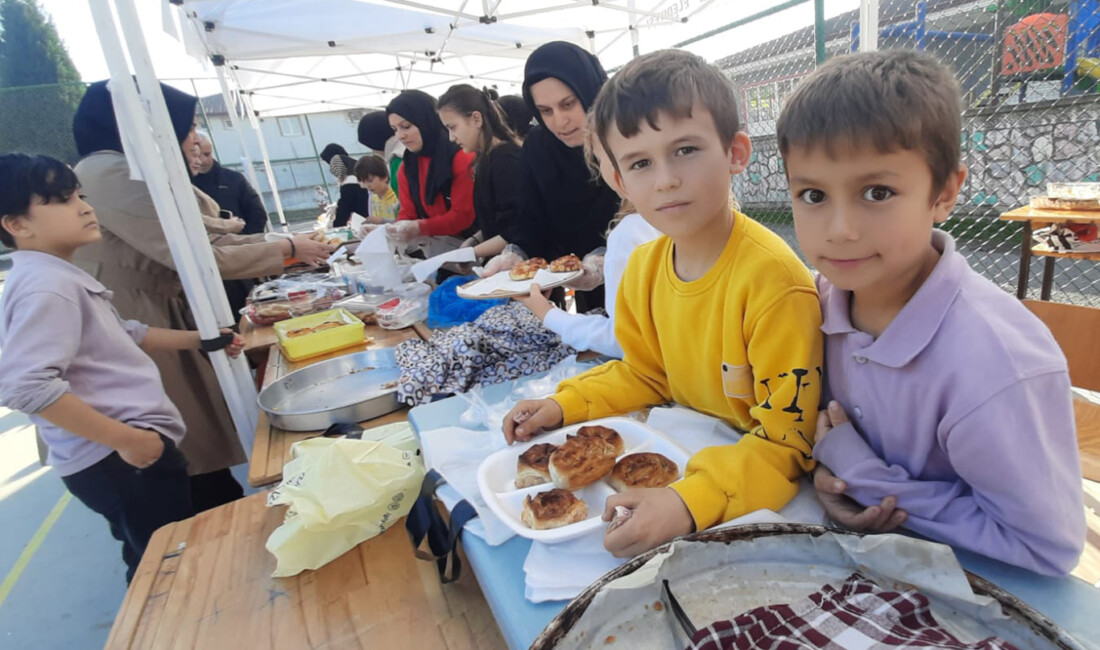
<point>227,123</point>
<point>764,101</point>
<point>290,126</point>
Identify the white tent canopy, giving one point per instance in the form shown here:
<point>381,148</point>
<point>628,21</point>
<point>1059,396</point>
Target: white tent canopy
<point>301,56</point>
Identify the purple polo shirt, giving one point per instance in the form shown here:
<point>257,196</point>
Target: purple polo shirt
<point>59,333</point>
<point>962,410</point>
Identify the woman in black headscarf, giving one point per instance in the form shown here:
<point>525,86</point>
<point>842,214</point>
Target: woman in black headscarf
<point>562,208</point>
<point>353,197</point>
<point>133,261</point>
<point>435,186</point>
<point>375,133</point>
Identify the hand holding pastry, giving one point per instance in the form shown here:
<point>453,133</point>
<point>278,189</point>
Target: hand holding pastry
<point>530,416</point>
<point>536,302</point>
<point>659,515</point>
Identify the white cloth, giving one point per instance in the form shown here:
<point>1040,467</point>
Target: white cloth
<point>593,331</point>
<point>562,571</point>
<point>423,270</point>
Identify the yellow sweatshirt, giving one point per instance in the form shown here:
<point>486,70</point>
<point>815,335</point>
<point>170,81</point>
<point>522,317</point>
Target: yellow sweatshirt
<point>742,343</point>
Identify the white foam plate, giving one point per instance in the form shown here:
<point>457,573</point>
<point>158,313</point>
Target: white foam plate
<point>497,475</point>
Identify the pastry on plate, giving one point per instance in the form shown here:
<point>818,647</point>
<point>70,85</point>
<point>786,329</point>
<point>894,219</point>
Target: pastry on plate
<point>610,436</point>
<point>533,465</point>
<point>566,264</point>
<point>643,470</point>
<point>580,462</point>
<point>553,509</point>
<point>527,269</point>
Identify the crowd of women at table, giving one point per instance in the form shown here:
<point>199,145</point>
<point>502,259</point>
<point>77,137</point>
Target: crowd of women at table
<point>945,406</point>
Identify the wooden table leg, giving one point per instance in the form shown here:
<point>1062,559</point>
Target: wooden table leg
<point>1048,278</point>
<point>1025,262</point>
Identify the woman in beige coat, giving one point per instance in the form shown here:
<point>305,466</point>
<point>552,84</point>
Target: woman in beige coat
<point>133,260</point>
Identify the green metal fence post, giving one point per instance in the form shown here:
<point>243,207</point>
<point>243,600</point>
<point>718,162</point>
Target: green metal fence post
<point>317,157</point>
<point>819,30</point>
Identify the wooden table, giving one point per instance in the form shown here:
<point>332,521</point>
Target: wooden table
<point>1034,218</point>
<point>257,339</point>
<point>206,583</point>
<point>271,448</point>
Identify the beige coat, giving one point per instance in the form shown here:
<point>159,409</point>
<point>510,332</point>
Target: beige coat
<point>133,261</point>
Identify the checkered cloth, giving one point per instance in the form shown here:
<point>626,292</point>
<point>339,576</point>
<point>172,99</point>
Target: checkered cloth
<point>859,615</point>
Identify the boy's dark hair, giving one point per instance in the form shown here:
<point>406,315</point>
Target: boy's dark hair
<point>667,81</point>
<point>892,99</point>
<point>23,177</point>
<point>332,150</point>
<point>372,165</point>
<point>517,114</point>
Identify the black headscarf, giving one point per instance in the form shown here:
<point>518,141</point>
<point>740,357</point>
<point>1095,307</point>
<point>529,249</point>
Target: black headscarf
<point>95,127</point>
<point>580,205</point>
<point>332,150</point>
<point>418,107</point>
<point>374,130</point>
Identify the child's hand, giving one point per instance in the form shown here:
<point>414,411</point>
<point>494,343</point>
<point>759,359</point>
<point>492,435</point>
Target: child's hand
<point>235,348</point>
<point>659,515</point>
<point>142,449</point>
<point>530,416</point>
<point>882,518</point>
<point>536,302</point>
<point>833,416</point>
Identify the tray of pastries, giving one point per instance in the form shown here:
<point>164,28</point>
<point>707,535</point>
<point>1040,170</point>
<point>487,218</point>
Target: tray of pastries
<point>553,487</point>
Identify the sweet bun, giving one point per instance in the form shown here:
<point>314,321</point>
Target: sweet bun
<point>581,461</point>
<point>553,509</point>
<point>533,465</point>
<point>610,436</point>
<point>643,470</point>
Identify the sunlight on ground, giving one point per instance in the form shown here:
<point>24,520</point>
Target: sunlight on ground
<point>18,454</point>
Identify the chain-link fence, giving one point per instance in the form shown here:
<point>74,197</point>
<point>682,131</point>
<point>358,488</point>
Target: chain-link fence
<point>1029,74</point>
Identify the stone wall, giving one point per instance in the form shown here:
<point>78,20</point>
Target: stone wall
<point>1012,152</point>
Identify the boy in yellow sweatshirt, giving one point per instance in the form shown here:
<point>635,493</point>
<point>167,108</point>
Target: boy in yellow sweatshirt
<point>718,315</point>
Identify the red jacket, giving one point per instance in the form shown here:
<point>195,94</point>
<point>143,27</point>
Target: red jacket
<point>441,221</point>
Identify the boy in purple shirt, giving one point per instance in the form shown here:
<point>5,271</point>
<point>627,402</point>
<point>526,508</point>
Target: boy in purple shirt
<point>952,412</point>
<point>79,370</point>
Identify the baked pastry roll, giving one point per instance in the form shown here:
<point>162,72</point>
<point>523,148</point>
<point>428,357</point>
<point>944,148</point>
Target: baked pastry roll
<point>581,461</point>
<point>527,269</point>
<point>533,465</point>
<point>643,470</point>
<point>610,436</point>
<point>553,509</point>
<point>566,264</point>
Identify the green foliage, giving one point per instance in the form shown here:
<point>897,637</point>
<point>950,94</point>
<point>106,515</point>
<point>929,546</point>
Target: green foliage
<point>39,85</point>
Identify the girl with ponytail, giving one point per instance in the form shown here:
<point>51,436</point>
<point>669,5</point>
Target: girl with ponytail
<point>476,123</point>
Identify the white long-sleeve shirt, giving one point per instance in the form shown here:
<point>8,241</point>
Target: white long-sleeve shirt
<point>592,331</point>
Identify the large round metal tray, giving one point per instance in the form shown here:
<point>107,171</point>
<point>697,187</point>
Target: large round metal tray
<point>763,575</point>
<point>347,389</point>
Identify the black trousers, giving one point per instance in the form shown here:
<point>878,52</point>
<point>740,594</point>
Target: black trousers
<point>213,489</point>
<point>135,501</point>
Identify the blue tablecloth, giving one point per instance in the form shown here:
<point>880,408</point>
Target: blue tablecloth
<point>1070,602</point>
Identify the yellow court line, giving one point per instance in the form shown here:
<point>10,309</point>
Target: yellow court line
<point>32,546</point>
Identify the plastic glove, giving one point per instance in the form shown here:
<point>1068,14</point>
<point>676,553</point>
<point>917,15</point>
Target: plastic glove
<point>592,265</point>
<point>368,228</point>
<point>403,231</point>
<point>509,257</point>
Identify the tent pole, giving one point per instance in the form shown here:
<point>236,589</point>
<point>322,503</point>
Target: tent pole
<point>868,25</point>
<point>267,161</point>
<point>173,197</point>
<point>235,122</point>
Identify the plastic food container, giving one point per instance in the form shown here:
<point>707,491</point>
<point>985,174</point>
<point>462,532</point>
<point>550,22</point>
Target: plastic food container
<point>399,313</point>
<point>296,347</point>
<point>267,313</point>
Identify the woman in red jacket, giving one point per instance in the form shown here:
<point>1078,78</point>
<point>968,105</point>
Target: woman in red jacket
<point>434,183</point>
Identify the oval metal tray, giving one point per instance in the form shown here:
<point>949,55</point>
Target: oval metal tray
<point>347,389</point>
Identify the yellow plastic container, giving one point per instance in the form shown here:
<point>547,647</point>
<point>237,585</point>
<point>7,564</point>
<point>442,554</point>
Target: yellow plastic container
<point>304,346</point>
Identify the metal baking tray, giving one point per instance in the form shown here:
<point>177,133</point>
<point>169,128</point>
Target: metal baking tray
<point>347,389</point>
